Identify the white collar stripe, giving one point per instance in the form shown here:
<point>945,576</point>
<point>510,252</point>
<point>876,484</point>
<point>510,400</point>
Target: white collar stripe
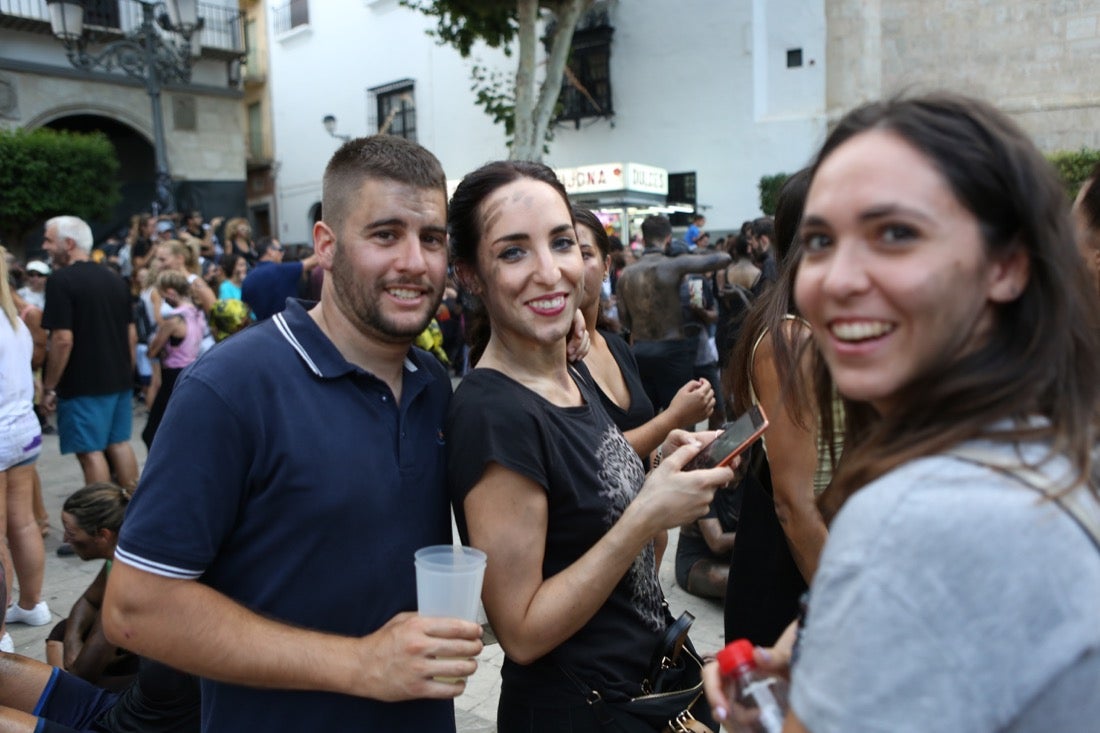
<point>284,329</point>
<point>156,568</point>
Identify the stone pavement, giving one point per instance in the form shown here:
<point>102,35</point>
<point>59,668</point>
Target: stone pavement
<point>67,577</point>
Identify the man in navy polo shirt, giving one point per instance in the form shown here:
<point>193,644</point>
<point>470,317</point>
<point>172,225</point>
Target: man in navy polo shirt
<point>268,285</point>
<point>269,547</point>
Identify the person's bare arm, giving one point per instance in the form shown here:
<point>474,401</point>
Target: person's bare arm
<point>132,339</point>
<point>193,627</point>
<point>61,348</point>
<point>692,403</point>
<point>203,295</point>
<point>169,327</point>
<point>532,615</point>
<point>795,447</point>
<point>81,619</point>
<point>710,262</point>
<point>718,541</point>
<point>310,262</point>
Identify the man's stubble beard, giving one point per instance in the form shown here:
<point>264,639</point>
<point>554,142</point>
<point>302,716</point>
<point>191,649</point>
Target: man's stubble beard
<point>360,304</point>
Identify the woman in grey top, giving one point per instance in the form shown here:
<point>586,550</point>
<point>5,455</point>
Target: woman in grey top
<point>953,314</point>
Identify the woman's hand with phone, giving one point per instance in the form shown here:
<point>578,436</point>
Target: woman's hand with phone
<point>671,496</point>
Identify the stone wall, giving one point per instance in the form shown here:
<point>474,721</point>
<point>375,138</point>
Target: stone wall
<point>1035,60</point>
<point>204,132</point>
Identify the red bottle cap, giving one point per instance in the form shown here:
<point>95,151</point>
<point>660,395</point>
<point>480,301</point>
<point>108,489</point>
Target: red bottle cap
<point>736,654</point>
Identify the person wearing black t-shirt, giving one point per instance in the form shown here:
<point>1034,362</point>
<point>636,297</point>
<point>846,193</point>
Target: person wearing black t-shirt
<point>541,478</point>
<point>93,339</point>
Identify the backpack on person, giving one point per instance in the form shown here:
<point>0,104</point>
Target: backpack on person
<point>144,325</point>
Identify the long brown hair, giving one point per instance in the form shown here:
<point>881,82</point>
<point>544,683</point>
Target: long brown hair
<point>1041,354</point>
<point>767,315</point>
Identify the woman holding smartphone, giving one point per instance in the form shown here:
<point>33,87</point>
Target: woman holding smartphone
<point>541,478</point>
<point>949,304</point>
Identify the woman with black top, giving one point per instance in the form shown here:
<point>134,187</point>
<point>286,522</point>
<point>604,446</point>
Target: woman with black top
<point>780,532</point>
<point>238,240</point>
<point>542,479</point>
<point>612,364</point>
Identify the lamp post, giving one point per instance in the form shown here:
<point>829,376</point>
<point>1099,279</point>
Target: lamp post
<point>143,54</point>
<point>329,121</point>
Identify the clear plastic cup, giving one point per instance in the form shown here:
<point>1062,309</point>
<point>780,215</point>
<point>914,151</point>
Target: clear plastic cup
<point>448,581</point>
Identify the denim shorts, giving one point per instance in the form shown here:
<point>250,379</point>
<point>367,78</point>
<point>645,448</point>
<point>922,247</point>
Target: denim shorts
<point>91,423</point>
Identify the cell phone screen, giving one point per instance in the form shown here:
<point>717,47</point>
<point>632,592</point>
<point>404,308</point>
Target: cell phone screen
<point>735,437</point>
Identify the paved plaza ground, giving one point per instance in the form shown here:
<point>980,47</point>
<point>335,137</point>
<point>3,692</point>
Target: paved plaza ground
<point>67,577</point>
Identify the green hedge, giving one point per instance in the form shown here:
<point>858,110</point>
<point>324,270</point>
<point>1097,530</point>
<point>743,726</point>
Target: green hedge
<point>45,173</point>
<point>1074,166</point>
<point>769,191</point>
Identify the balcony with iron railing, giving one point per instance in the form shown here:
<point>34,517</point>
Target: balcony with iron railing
<point>221,37</point>
<point>290,15</point>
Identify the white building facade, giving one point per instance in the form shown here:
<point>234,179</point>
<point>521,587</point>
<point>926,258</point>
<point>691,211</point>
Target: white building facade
<point>714,94</point>
<point>689,96</point>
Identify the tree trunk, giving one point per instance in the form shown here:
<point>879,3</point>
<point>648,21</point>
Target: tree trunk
<point>528,16</point>
<point>533,115</point>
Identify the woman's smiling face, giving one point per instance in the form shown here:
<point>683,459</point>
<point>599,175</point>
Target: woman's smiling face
<point>894,276</point>
<point>530,273</point>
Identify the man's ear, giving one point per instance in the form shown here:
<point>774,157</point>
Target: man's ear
<point>324,244</point>
<point>1009,275</point>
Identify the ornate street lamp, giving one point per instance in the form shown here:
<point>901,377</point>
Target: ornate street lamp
<point>329,121</point>
<point>143,54</point>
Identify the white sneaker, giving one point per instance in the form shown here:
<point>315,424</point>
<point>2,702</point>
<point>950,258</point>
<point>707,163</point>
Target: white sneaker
<point>37,616</point>
<point>6,644</point>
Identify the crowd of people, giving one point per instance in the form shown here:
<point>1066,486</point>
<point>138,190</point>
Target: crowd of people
<point>915,542</point>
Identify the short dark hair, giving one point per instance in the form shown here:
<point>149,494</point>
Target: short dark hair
<point>764,227</point>
<point>655,230</point>
<point>263,244</point>
<point>376,157</point>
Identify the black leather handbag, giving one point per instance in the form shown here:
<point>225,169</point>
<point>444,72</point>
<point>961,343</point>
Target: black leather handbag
<point>672,699</point>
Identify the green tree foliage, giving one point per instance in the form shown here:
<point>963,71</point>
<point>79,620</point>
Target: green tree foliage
<point>520,103</point>
<point>45,173</point>
<point>769,191</point>
<point>462,23</point>
<point>1074,166</point>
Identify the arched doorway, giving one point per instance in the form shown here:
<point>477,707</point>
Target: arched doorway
<point>136,168</point>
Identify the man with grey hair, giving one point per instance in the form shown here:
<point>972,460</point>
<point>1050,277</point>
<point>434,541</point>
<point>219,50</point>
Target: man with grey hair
<point>89,371</point>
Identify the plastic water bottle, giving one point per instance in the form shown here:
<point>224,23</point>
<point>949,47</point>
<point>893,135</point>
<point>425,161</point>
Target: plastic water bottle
<point>762,697</point>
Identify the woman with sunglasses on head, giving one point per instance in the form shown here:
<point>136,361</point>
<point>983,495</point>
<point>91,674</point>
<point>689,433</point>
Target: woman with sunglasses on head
<point>959,585</point>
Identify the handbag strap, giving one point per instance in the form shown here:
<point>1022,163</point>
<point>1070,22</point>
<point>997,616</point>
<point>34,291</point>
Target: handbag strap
<point>1074,503</point>
<point>672,642</point>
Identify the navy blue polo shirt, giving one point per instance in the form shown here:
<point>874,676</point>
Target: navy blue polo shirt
<point>288,479</point>
<point>268,285</point>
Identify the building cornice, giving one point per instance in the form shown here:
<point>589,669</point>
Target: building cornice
<point>29,67</point>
